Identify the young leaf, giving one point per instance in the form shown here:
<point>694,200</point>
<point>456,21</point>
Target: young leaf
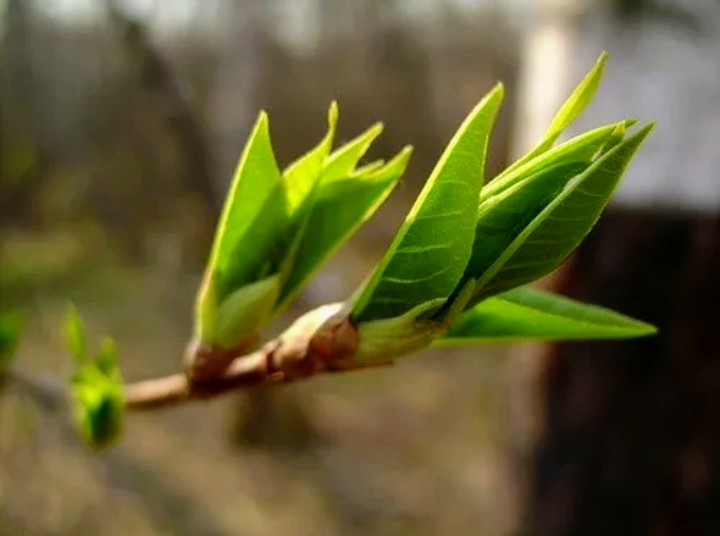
<point>302,176</point>
<point>502,217</point>
<point>96,387</point>
<point>388,338</point>
<point>341,163</point>
<point>264,245</point>
<point>428,256</point>
<point>312,245</point>
<point>10,324</point>
<point>543,243</point>
<point>97,405</point>
<point>525,313</point>
<point>256,190</point>
<point>245,311</point>
<point>370,167</point>
<point>343,204</point>
<point>569,111</point>
<point>303,181</point>
<point>581,148</point>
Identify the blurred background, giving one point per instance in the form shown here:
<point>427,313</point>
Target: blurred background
<point>120,125</point>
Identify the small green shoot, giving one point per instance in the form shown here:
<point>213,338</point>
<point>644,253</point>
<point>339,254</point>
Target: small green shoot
<point>96,387</point>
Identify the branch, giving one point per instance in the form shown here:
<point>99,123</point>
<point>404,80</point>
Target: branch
<point>45,392</point>
<point>245,371</point>
<point>319,342</point>
<point>322,341</point>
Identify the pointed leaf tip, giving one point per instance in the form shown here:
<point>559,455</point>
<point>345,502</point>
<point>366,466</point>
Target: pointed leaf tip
<point>578,100</point>
<point>527,313</point>
<point>343,160</point>
<point>343,204</point>
<point>333,113</point>
<point>575,105</point>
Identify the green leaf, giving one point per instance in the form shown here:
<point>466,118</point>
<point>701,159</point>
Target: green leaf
<point>501,218</point>
<point>96,390</point>
<point>569,111</point>
<point>302,175</point>
<point>254,209</point>
<point>342,205</point>
<point>343,161</point>
<point>371,166</point>
<point>540,245</point>
<point>428,255</point>
<point>303,181</point>
<point>525,313</point>
<point>388,338</point>
<point>10,325</point>
<point>97,406</point>
<point>581,148</point>
<point>96,387</point>
<point>345,198</point>
<point>74,334</point>
<point>244,312</point>
<point>618,135</point>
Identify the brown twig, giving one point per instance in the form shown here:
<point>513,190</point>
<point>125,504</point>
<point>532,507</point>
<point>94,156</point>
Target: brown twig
<point>245,371</point>
<point>322,341</point>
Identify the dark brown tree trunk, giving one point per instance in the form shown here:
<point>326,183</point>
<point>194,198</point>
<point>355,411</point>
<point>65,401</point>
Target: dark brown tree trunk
<point>631,438</point>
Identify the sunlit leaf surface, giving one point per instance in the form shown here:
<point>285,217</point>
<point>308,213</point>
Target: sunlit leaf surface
<point>427,258</point>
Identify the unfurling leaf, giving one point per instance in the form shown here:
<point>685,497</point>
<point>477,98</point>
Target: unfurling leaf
<point>256,192</point>
<point>97,405</point>
<point>344,160</point>
<point>525,313</point>
<point>428,255</point>
<point>342,205</point>
<point>581,148</point>
<point>96,386</point>
<point>387,338</point>
<point>503,217</point>
<point>244,312</point>
<point>302,176</point>
<point>538,246</point>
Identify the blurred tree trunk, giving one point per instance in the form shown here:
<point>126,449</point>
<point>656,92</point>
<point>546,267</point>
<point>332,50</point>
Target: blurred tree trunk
<point>234,93</point>
<point>156,76</point>
<point>629,440</point>
<point>20,160</point>
<point>170,100</point>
